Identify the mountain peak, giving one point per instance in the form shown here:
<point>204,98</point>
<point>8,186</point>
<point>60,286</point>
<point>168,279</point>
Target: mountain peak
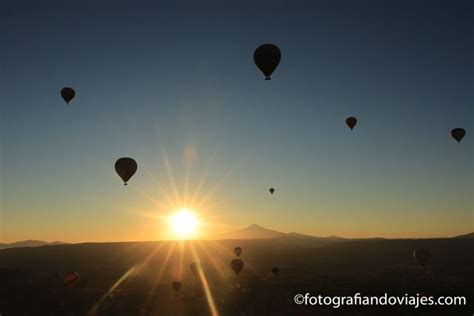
<point>256,231</point>
<point>255,226</point>
<point>253,231</point>
<point>471,235</point>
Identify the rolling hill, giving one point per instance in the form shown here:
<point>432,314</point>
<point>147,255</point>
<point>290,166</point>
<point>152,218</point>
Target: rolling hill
<point>30,243</point>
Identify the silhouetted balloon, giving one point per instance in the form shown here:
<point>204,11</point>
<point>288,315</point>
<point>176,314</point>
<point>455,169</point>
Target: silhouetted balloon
<point>422,255</point>
<point>195,267</point>
<point>68,94</point>
<point>271,190</point>
<point>70,278</point>
<point>275,270</point>
<point>458,134</point>
<point>126,168</point>
<point>176,285</point>
<point>237,265</point>
<point>351,122</point>
<point>267,57</point>
<point>237,251</point>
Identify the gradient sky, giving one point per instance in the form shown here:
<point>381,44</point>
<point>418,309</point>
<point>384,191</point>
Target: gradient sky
<point>174,86</point>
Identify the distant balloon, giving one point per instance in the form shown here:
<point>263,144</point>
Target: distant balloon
<point>237,265</point>
<point>126,168</point>
<point>271,190</point>
<point>176,285</point>
<point>195,267</point>
<point>351,122</point>
<point>68,94</point>
<point>70,278</point>
<point>237,251</point>
<point>275,270</point>
<point>267,57</point>
<point>458,134</point>
<point>422,255</point>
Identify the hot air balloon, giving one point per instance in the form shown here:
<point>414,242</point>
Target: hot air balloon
<point>275,270</point>
<point>70,278</point>
<point>68,94</point>
<point>237,251</point>
<point>351,122</point>
<point>422,255</point>
<point>126,168</point>
<point>195,267</point>
<point>237,265</point>
<point>271,190</point>
<point>176,285</point>
<point>267,57</point>
<point>458,134</point>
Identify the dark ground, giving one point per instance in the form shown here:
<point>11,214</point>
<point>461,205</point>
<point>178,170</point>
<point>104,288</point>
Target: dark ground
<point>31,284</point>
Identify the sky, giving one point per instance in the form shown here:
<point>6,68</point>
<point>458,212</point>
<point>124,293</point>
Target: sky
<point>174,86</point>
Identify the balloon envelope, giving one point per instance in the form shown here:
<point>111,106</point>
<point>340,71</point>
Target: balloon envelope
<point>68,94</point>
<point>195,267</point>
<point>458,134</point>
<point>237,265</point>
<point>70,278</point>
<point>237,251</point>
<point>266,58</point>
<point>275,270</point>
<point>351,122</point>
<point>126,168</point>
<point>422,255</point>
<point>271,190</point>
<point>176,285</point>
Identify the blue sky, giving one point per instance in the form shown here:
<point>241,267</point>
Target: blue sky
<point>155,80</point>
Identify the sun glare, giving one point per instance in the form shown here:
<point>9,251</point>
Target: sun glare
<point>183,223</point>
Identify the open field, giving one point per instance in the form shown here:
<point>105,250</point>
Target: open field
<point>31,281</point>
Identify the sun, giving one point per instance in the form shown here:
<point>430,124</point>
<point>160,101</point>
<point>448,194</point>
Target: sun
<point>184,223</point>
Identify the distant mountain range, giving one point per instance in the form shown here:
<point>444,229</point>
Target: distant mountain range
<point>253,231</point>
<point>471,235</point>
<point>30,243</point>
